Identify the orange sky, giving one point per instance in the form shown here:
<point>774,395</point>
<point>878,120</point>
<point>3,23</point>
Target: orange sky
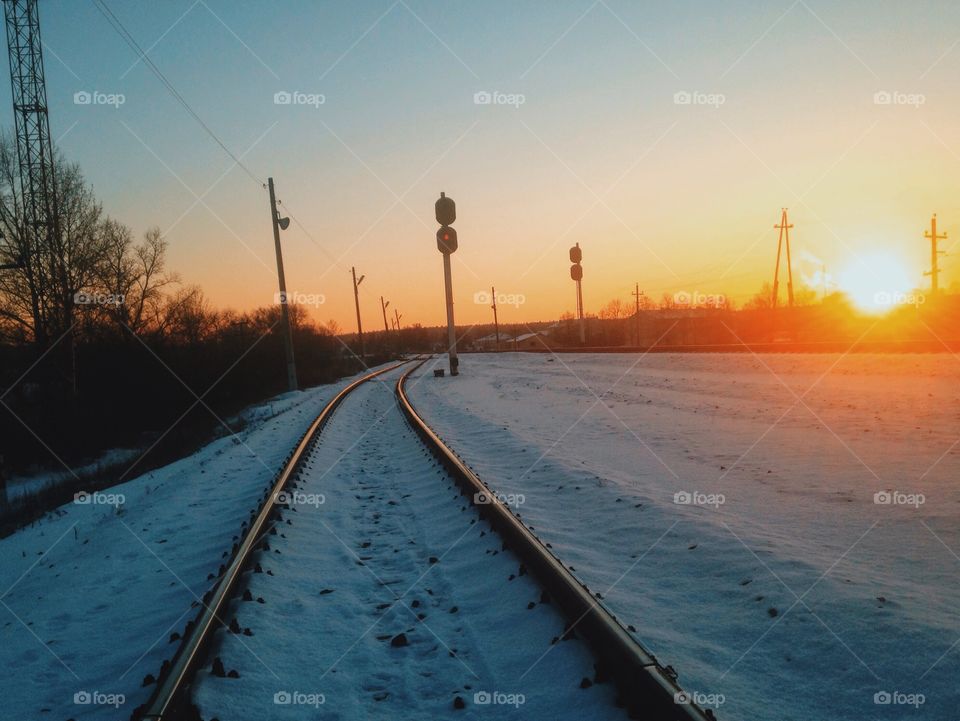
<point>602,150</point>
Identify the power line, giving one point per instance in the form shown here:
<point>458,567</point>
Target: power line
<point>135,46</point>
<point>121,30</point>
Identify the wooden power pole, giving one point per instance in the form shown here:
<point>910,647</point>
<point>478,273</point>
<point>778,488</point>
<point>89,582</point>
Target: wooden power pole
<point>935,254</point>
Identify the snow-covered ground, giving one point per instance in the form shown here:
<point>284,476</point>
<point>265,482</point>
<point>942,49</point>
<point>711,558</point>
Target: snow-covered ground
<point>90,595</point>
<point>378,544</point>
<point>782,529</point>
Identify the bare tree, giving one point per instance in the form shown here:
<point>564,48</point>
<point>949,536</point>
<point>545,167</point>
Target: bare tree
<point>39,297</point>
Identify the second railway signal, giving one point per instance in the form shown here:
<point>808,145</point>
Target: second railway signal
<point>576,274</point>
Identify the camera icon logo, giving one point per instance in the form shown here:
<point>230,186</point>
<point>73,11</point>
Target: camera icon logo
<point>281,498</point>
<point>482,98</point>
<point>482,498</point>
<point>682,98</point>
<point>883,97</point>
<point>682,698</point>
<point>882,698</point>
<point>482,297</point>
<point>82,97</point>
<point>82,697</point>
<point>282,98</point>
<point>482,698</point>
<point>883,498</point>
<point>683,498</point>
<point>282,698</point>
<point>82,498</point>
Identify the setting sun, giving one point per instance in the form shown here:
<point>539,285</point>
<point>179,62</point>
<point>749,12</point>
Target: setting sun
<point>877,282</point>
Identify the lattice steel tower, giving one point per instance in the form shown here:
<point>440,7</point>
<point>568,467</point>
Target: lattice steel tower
<point>34,147</point>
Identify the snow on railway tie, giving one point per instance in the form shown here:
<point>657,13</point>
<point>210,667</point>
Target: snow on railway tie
<point>378,586</point>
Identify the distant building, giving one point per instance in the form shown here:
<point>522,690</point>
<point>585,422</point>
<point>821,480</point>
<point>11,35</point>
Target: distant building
<point>530,341</point>
<point>489,342</point>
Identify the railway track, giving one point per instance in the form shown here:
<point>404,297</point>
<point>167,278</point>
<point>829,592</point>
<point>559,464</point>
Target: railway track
<point>380,553</point>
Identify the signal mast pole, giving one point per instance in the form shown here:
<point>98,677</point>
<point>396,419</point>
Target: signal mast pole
<point>496,323</point>
<point>446,212</point>
<point>383,306</point>
<point>576,273</point>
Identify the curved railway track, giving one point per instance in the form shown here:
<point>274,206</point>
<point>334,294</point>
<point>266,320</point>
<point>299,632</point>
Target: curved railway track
<point>648,690</point>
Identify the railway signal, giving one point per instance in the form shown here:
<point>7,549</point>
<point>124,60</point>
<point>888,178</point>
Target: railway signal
<point>446,213</point>
<point>278,224</point>
<point>576,273</point>
<point>496,322</point>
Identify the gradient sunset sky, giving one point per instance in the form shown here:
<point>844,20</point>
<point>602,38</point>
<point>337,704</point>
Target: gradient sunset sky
<point>679,197</point>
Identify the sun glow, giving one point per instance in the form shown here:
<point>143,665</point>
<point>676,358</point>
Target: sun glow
<point>878,282</point>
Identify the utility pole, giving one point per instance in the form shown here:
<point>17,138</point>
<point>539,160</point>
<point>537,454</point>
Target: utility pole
<point>356,300</point>
<point>446,212</point>
<point>784,229</point>
<point>637,293</point>
<point>399,316</point>
<point>283,223</point>
<point>496,323</point>
<point>576,273</point>
<point>935,254</point>
<point>383,305</point>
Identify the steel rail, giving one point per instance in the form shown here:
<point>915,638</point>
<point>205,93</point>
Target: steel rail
<point>647,689</point>
<point>170,700</point>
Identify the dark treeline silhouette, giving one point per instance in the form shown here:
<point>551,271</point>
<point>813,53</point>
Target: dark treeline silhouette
<point>102,347</point>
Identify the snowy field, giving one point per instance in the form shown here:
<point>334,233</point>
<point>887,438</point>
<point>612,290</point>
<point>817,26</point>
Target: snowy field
<point>379,545</point>
<point>90,596</point>
<point>782,529</point>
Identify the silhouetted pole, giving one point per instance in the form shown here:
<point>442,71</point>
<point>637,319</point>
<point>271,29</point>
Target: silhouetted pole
<point>784,239</point>
<point>576,273</point>
<point>397,314</point>
<point>383,305</point>
<point>278,223</point>
<point>496,323</point>
<point>935,254</point>
<point>356,300</point>
<point>446,212</point>
<point>638,293</point>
